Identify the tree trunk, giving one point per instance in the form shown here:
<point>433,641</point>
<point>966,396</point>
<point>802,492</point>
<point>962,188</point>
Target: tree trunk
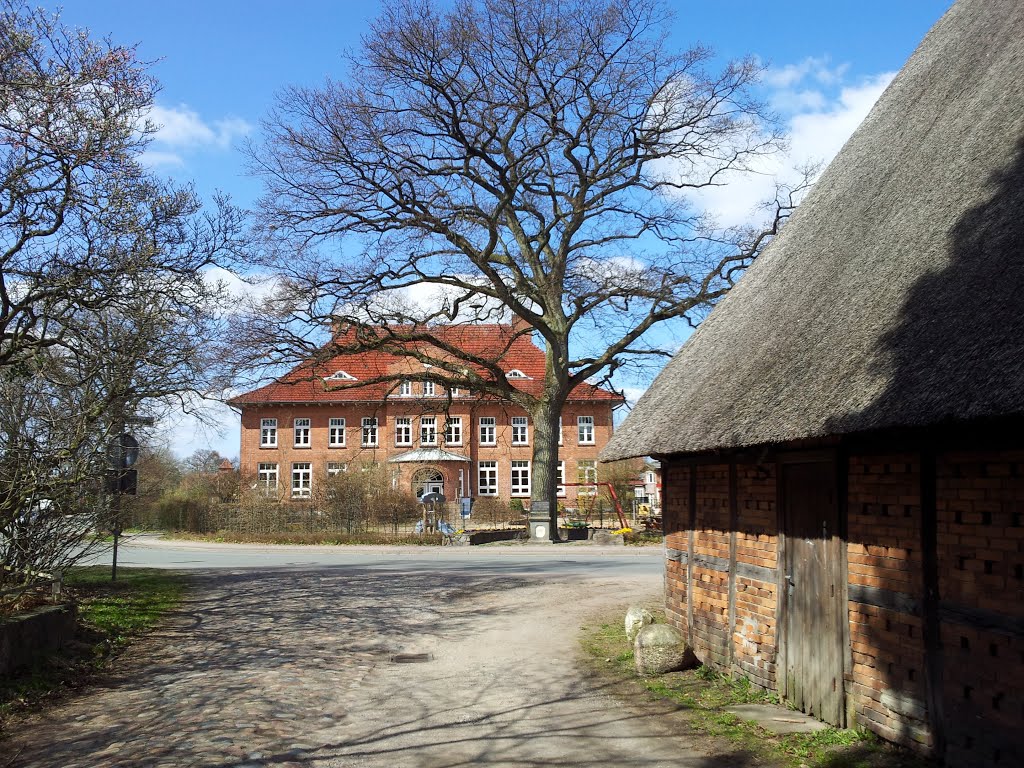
<point>545,416</point>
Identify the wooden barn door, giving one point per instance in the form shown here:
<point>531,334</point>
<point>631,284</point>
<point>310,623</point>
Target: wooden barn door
<point>813,591</point>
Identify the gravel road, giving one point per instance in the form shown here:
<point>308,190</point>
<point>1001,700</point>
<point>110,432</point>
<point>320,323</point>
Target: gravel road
<point>294,667</point>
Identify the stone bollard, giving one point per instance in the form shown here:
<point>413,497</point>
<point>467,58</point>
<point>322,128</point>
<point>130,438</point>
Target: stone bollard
<point>659,648</point>
<point>637,618</point>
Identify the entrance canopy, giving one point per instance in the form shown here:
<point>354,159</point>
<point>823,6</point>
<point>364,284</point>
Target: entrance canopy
<point>426,455</point>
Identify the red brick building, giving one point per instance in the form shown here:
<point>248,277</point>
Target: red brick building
<point>842,440</point>
<point>317,420</point>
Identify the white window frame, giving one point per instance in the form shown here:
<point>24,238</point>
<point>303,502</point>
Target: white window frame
<point>428,389</point>
<point>585,430</point>
<point>519,478</point>
<point>371,433</point>
<point>268,433</point>
<point>453,431</point>
<point>455,392</point>
<point>303,432</point>
<point>267,477</point>
<point>336,433</point>
<point>559,430</point>
<point>586,473</point>
<point>560,479</point>
<point>487,478</point>
<point>405,388</point>
<point>520,430</point>
<point>302,480</point>
<point>428,430</point>
<point>403,430</point>
<point>335,468</point>
<point>488,426</point>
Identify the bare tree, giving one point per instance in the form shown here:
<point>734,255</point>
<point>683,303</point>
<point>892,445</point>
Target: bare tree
<point>523,156</point>
<point>105,312</point>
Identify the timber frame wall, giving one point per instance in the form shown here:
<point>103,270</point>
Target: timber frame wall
<point>933,538</point>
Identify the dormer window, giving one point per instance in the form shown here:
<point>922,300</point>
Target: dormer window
<point>405,389</point>
<point>340,376</point>
<point>515,373</point>
<point>428,388</point>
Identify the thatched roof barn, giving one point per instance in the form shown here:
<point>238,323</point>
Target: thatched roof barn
<point>842,440</point>
<point>894,296</point>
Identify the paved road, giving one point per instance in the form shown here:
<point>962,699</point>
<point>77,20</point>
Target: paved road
<point>295,666</point>
<point>566,558</point>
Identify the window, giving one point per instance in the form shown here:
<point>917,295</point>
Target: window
<point>520,430</point>
<point>428,430</point>
<point>455,392</point>
<point>453,431</point>
<point>585,428</point>
<point>586,472</point>
<point>405,389</point>
<point>340,376</point>
<point>302,478</point>
<point>488,478</point>
<point>560,479</point>
<point>370,432</point>
<point>266,478</point>
<point>559,430</point>
<point>428,389</point>
<point>487,425</point>
<point>520,478</point>
<point>336,433</point>
<point>268,433</point>
<point>302,433</point>
<point>335,468</point>
<point>403,430</point>
<point>515,373</point>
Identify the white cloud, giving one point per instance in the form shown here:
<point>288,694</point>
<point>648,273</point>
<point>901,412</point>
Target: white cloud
<point>818,121</point>
<point>819,69</point>
<point>181,131</point>
<point>182,127</point>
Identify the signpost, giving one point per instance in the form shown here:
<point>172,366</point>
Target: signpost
<point>122,454</point>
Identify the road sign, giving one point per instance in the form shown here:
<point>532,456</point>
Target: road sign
<point>124,451</point>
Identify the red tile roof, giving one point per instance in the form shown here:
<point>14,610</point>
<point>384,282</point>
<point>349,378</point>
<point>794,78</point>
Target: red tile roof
<point>306,382</point>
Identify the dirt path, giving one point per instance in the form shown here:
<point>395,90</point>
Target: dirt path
<point>294,668</point>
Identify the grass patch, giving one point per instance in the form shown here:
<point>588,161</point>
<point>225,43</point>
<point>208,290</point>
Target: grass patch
<point>330,538</point>
<point>110,616</point>
<point>704,693</point>
<point>643,538</point>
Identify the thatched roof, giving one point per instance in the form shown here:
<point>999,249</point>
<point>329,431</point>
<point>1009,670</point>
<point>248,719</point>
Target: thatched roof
<point>895,296</point>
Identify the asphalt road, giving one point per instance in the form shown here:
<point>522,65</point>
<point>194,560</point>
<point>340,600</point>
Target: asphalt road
<point>564,559</point>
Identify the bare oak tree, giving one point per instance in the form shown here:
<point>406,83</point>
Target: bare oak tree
<point>523,156</point>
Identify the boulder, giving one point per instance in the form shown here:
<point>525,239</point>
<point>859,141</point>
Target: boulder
<point>607,537</point>
<point>659,648</point>
<point>637,618</point>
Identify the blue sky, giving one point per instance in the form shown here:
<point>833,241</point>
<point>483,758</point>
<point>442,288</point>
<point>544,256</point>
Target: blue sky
<point>220,63</point>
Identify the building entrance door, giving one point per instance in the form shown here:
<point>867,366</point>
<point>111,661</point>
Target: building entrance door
<point>812,592</point>
<point>428,481</point>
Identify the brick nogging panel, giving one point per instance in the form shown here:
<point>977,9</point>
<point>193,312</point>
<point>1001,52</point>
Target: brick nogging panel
<point>710,585</point>
<point>753,639</point>
<point>886,686</point>
<point>676,524</point>
<point>980,511</point>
